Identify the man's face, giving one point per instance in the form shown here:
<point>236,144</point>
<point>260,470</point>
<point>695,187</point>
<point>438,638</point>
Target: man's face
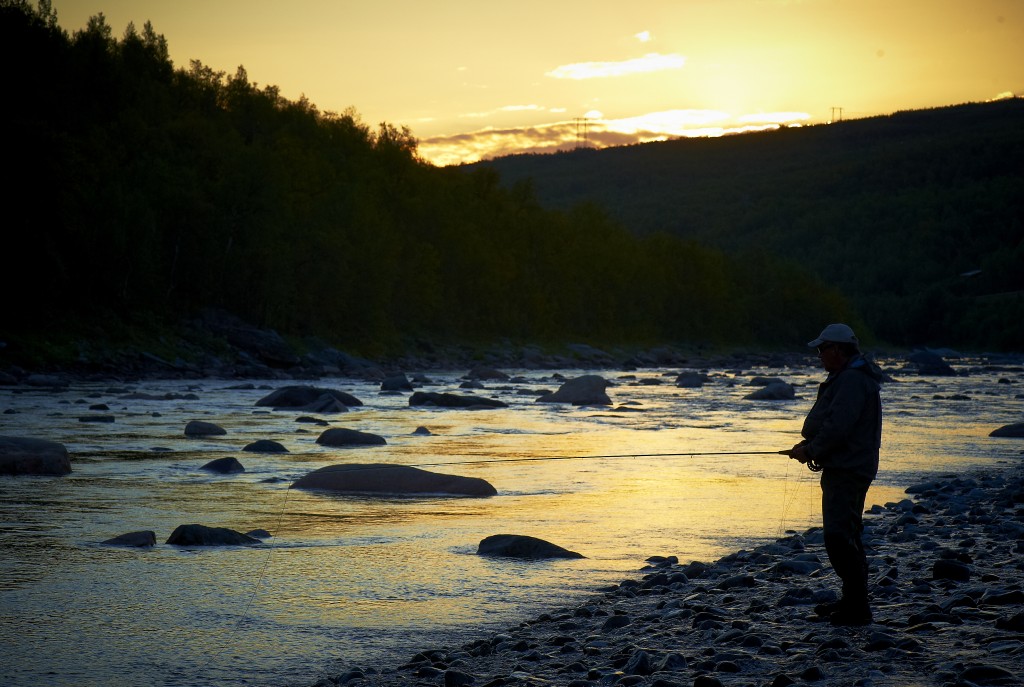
<point>831,358</point>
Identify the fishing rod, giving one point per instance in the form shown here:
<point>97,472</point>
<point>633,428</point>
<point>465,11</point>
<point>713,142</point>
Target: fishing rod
<point>691,454</point>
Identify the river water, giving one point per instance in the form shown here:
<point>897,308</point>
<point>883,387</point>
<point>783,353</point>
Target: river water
<point>370,581</point>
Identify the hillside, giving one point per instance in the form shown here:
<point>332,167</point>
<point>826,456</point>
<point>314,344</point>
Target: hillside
<point>146,194</point>
<point>891,211</point>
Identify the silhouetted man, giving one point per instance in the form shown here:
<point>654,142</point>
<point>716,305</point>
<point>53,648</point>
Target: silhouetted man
<point>842,434</point>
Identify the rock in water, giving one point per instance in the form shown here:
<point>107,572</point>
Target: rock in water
<point>339,436</point>
<point>20,456</point>
<point>201,535</point>
<point>224,466</point>
<point>522,546</point>
<point>305,396</point>
<point>198,428</point>
<point>585,390</point>
<point>432,398</point>
<point>139,539</point>
<point>384,478</point>
<point>1015,430</point>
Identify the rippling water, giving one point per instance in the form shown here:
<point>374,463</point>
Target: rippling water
<point>347,581</point>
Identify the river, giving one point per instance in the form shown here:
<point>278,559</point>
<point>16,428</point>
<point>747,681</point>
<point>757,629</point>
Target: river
<point>349,581</point>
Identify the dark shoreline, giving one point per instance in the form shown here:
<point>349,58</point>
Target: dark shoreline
<point>947,572</point>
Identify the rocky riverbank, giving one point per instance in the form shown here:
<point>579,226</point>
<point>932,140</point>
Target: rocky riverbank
<point>947,570</point>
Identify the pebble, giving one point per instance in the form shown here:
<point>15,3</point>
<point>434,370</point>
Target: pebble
<point>947,596</point>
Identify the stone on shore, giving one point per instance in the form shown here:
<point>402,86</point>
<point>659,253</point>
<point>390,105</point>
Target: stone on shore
<point>522,546</point>
<point>27,456</point>
<point>340,436</point>
<point>388,479</point>
<point>585,390</point>
<point>201,535</point>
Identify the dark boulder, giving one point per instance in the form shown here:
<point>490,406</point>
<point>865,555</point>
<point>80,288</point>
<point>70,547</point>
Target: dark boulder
<point>198,428</point>
<point>487,374</point>
<point>303,397</point>
<point>21,456</point>
<point>931,364</point>
<point>139,539</point>
<point>265,446</point>
<point>384,478</point>
<point>431,398</point>
<point>224,466</point>
<point>691,380</point>
<point>340,436</point>
<point>396,383</point>
<point>522,546</point>
<point>776,391</point>
<point>585,390</point>
<point>201,535</point>
<point>1015,431</point>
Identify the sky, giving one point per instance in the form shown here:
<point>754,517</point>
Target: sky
<point>473,80</point>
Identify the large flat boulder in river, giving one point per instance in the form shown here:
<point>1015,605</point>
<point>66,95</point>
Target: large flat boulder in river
<point>522,546</point>
<point>303,397</point>
<point>341,436</point>
<point>23,456</point>
<point>384,478</point>
<point>432,398</point>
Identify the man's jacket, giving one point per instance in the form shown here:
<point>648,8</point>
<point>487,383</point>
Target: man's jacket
<point>844,427</point>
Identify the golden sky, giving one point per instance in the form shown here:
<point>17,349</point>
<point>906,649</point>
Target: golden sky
<point>475,79</point>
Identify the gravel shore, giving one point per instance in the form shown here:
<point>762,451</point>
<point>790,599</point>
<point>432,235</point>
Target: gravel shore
<point>947,585</point>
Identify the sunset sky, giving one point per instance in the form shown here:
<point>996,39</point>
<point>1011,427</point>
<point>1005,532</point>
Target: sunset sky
<point>478,79</point>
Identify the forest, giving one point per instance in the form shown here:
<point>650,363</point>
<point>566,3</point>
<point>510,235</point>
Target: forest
<point>916,217</point>
<point>143,192</point>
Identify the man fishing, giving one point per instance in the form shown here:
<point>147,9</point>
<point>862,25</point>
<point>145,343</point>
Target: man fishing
<point>842,434</point>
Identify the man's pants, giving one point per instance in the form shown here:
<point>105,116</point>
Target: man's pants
<point>842,509</point>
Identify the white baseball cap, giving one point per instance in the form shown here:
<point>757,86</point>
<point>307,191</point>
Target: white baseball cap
<point>834,333</point>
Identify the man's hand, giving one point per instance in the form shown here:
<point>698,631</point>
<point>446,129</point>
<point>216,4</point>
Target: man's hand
<point>799,452</point>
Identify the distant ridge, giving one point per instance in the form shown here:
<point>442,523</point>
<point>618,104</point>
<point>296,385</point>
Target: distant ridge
<point>891,210</point>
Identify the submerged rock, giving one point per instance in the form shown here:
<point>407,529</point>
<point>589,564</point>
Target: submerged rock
<point>265,446</point>
<point>139,539</point>
<point>201,535</point>
<point>384,478</point>
<point>522,546</point>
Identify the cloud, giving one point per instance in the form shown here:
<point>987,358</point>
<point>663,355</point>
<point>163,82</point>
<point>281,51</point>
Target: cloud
<point>599,133</point>
<point>643,36</point>
<point>652,62</point>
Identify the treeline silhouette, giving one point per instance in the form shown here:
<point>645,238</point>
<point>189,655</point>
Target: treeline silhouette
<point>916,217</point>
<point>144,192</point>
